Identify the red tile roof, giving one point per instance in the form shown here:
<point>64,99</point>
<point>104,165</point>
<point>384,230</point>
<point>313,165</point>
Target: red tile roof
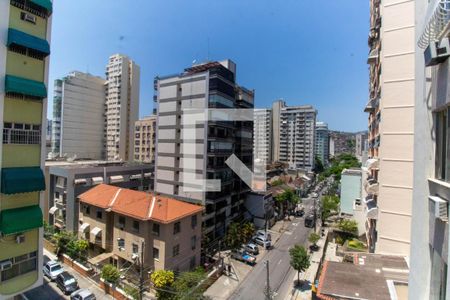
<point>138,205</point>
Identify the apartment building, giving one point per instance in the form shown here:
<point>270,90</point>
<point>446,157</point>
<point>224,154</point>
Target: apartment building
<point>122,106</point>
<point>66,180</point>
<point>429,255</point>
<point>120,222</point>
<point>189,153</point>
<point>322,142</point>
<point>293,135</point>
<point>262,135</point>
<point>145,139</point>
<point>391,126</point>
<point>361,144</point>
<point>25,28</point>
<point>78,116</point>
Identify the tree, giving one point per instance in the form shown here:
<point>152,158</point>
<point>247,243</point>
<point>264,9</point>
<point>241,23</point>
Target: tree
<point>187,284</point>
<point>233,238</point>
<point>329,204</point>
<point>313,238</point>
<point>162,281</point>
<point>288,197</point>
<point>348,226</point>
<point>110,273</point>
<point>62,239</point>
<point>248,230</point>
<point>299,259</point>
<point>77,248</point>
<point>318,165</point>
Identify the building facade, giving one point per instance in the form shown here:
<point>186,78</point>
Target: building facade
<point>262,135</point>
<point>188,152</point>
<point>67,180</point>
<point>294,134</point>
<point>145,139</point>
<point>122,107</point>
<point>78,115</point>
<point>126,224</point>
<point>391,125</point>
<point>322,142</point>
<point>429,255</point>
<point>25,28</point>
<point>361,144</point>
<point>350,190</point>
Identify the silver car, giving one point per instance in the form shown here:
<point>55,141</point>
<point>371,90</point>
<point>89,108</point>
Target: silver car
<point>52,269</point>
<point>82,294</point>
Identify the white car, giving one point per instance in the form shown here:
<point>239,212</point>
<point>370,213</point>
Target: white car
<point>52,269</point>
<point>262,242</point>
<point>262,233</point>
<point>82,294</point>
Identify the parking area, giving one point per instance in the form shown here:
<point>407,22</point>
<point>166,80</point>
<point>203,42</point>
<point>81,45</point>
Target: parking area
<point>50,291</point>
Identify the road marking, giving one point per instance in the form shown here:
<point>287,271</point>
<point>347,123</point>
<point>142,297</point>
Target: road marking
<point>279,262</point>
<point>288,232</point>
<point>294,224</point>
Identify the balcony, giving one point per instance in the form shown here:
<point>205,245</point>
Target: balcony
<point>436,22</point>
<point>370,208</point>
<point>371,186</point>
<point>372,163</point>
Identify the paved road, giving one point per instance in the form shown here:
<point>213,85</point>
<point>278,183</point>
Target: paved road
<point>253,286</point>
<point>49,290</point>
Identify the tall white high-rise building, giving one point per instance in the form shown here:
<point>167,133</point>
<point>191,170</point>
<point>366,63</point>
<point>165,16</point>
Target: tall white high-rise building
<point>322,142</point>
<point>122,106</point>
<point>293,134</point>
<point>262,135</point>
<point>78,109</point>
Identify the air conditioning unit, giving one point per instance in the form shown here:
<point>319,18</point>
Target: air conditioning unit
<point>121,249</point>
<point>437,52</point>
<point>134,256</point>
<point>439,207</point>
<point>5,265</point>
<point>28,17</point>
<point>20,239</point>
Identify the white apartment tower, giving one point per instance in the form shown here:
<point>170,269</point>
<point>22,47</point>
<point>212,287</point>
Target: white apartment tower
<point>78,116</point>
<point>122,106</point>
<point>262,135</point>
<point>294,134</point>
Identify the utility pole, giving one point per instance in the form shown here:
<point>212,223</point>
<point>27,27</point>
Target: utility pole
<point>141,273</point>
<point>267,292</point>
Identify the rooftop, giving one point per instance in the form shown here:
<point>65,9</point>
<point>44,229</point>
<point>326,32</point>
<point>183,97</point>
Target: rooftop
<point>370,276</point>
<point>138,205</point>
<point>89,163</point>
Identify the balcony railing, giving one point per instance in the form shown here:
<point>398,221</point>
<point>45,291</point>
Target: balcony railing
<point>436,22</point>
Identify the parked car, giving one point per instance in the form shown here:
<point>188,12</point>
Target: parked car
<point>52,269</point>
<point>260,240</point>
<point>262,233</point>
<point>82,294</point>
<point>251,248</point>
<point>243,256</point>
<point>67,283</point>
<point>300,213</point>
<point>310,221</point>
<point>315,195</point>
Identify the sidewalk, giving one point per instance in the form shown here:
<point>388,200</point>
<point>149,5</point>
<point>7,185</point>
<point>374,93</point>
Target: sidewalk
<point>304,292</point>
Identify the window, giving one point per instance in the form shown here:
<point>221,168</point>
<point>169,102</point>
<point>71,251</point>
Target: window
<point>27,17</point>
<point>99,214</point>
<point>136,226</point>
<point>442,141</point>
<point>20,265</point>
<point>155,229</point>
<point>135,248</point>
<point>194,221</point>
<point>176,250</point>
<point>21,134</point>
<point>121,222</point>
<point>193,242</point>
<point>192,262</point>
<point>176,228</point>
<point>155,253</point>
<point>87,209</point>
<point>438,277</point>
<point>121,243</point>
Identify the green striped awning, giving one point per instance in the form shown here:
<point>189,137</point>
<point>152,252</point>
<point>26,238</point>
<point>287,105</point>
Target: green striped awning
<point>14,84</point>
<point>16,37</point>
<point>20,219</point>
<point>47,4</point>
<point>22,180</point>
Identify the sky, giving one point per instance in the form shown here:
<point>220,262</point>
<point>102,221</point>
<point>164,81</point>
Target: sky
<point>303,51</point>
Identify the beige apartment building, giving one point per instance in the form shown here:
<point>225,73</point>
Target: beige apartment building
<point>389,183</point>
<point>119,222</point>
<point>145,139</point>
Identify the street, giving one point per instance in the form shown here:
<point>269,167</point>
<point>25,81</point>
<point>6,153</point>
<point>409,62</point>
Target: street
<point>253,286</point>
<point>49,290</point>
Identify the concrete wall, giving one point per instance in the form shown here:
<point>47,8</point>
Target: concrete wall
<point>350,190</point>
